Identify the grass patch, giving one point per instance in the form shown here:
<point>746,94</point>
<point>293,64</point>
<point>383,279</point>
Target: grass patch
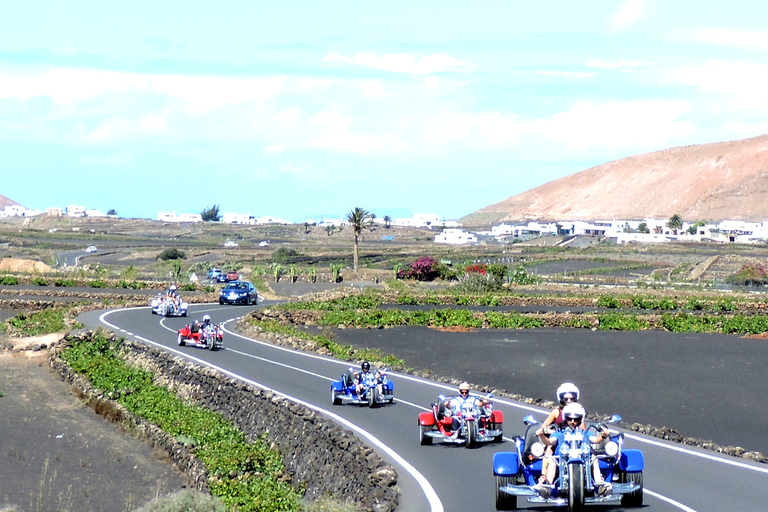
<point>244,475</point>
<point>41,322</point>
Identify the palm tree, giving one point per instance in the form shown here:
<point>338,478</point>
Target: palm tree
<point>675,222</point>
<point>360,220</point>
<point>387,221</point>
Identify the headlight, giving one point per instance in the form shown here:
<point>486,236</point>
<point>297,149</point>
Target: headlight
<point>537,449</point>
<point>611,448</point>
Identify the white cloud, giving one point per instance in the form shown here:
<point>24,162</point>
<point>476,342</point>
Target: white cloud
<point>567,74</point>
<point>200,94</point>
<point>741,38</point>
<point>630,12</point>
<point>616,65</point>
<point>742,82</point>
<point>403,62</point>
<point>614,125</point>
<point>333,133</point>
<point>292,169</point>
<point>117,128</point>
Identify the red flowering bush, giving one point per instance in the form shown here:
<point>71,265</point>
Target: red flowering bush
<point>750,273</point>
<point>476,268</point>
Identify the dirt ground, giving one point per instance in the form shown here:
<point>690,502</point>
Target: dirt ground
<point>60,456</point>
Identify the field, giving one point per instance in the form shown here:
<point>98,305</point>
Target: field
<point>298,259</point>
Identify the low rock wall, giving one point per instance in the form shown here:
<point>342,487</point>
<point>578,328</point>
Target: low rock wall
<point>318,455</point>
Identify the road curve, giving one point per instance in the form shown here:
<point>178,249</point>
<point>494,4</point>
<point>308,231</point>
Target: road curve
<point>439,477</point>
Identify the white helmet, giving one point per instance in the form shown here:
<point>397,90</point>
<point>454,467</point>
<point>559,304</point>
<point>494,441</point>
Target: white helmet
<point>207,318</point>
<point>565,389</point>
<point>463,386</point>
<point>574,411</point>
<point>173,287</point>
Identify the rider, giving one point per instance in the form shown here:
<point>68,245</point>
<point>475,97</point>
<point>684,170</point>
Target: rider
<point>206,321</point>
<point>362,375</point>
<point>573,414</point>
<point>566,393</point>
<point>463,402</point>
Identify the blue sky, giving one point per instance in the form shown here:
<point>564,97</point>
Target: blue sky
<point>308,109</point>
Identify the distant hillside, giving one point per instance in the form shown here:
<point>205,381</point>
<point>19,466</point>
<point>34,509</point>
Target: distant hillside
<point>725,180</point>
<point>4,201</point>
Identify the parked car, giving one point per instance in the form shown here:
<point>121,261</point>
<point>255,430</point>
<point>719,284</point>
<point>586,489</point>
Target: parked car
<point>264,243</point>
<point>238,292</point>
<point>214,272</point>
<point>91,248</point>
<point>230,243</point>
<point>232,276</point>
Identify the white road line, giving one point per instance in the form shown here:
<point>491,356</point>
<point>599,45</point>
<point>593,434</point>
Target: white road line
<point>669,500</point>
<point>434,501</point>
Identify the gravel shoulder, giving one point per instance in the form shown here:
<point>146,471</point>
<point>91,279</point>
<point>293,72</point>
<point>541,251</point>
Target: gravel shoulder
<point>59,455</point>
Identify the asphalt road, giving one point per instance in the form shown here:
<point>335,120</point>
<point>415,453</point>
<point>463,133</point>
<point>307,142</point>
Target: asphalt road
<point>704,385</point>
<point>676,478</point>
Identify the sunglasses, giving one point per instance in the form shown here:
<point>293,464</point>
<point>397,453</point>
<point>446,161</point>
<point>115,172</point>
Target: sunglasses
<point>572,420</point>
<point>568,398</point>
<point>464,392</point>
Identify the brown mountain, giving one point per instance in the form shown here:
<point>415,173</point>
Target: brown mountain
<point>724,180</point>
<point>4,201</point>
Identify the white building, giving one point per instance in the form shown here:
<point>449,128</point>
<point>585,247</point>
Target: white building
<point>455,237</point>
<point>237,218</point>
<point>16,210</point>
<point>75,211</point>
<point>182,217</point>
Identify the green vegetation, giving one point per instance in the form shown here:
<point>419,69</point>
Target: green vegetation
<point>9,280</point>
<point>41,322</point>
<point>211,214</point>
<point>326,341</point>
<point>244,475</point>
<point>172,253</point>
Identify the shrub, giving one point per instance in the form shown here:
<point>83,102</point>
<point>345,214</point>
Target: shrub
<point>423,269</point>
<point>476,268</point>
<point>285,255</point>
<point>187,500</point>
<point>97,283</point>
<point>474,282</point>
<point>9,280</point>
<point>188,287</point>
<point>606,301</point>
<point>131,285</point>
<point>752,273</point>
<point>39,281</point>
<point>172,253</point>
<point>61,281</point>
<point>519,275</point>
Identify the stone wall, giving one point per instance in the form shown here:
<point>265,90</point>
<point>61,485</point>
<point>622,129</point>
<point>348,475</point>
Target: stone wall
<point>318,455</point>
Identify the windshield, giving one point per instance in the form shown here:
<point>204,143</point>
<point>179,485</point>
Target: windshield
<point>236,286</point>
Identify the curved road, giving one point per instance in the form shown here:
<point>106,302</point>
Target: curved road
<point>439,477</point>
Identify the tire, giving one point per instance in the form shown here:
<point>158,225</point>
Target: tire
<point>505,501</point>
<point>221,302</point>
<point>634,498</point>
<point>424,439</point>
<point>335,400</point>
<point>180,340</point>
<point>575,487</point>
<point>373,397</point>
<point>471,434</point>
<point>499,438</point>
<point>212,343</point>
<point>154,312</point>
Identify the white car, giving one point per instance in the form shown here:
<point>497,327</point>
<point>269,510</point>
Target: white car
<point>91,248</point>
<point>230,243</point>
<point>263,243</point>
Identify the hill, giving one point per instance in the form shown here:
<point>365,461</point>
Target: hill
<point>4,201</point>
<point>725,180</point>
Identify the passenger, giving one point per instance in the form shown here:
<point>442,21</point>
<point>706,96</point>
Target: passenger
<point>463,402</point>
<point>195,327</point>
<point>573,415</point>
<point>565,394</point>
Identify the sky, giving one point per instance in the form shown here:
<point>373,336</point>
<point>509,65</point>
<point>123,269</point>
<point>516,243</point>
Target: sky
<point>306,109</point>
